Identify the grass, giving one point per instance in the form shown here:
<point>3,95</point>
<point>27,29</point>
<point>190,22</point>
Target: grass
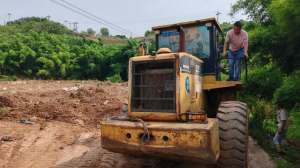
<point>7,78</point>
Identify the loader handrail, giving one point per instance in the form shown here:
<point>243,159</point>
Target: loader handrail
<point>244,62</point>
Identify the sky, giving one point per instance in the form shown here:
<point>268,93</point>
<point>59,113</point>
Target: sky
<point>137,16</point>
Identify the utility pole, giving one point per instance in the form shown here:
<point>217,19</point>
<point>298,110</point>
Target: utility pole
<point>9,17</point>
<point>75,26</point>
<point>218,13</point>
<point>70,25</point>
<point>66,23</point>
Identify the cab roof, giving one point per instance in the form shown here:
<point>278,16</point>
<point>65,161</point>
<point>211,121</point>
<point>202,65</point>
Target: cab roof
<point>188,24</point>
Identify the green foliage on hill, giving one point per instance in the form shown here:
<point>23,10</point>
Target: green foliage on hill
<point>39,48</point>
<point>34,24</point>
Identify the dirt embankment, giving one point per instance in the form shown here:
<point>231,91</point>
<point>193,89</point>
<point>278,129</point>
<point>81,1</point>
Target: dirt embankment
<point>78,102</point>
<point>56,124</point>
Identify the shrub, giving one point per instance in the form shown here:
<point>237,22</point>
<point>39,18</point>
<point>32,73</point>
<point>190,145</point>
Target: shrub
<point>294,125</point>
<point>7,78</point>
<point>288,93</point>
<point>282,163</point>
<point>43,74</point>
<point>115,78</point>
<point>262,82</point>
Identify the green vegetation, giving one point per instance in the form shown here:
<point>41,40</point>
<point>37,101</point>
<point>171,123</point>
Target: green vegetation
<point>41,49</point>
<point>104,32</point>
<point>274,71</point>
<point>289,91</point>
<point>91,32</point>
<point>7,78</point>
<point>263,81</point>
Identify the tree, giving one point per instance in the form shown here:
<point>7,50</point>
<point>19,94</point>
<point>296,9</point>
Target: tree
<point>36,24</point>
<point>286,14</point>
<point>257,10</point>
<point>91,32</point>
<point>149,33</point>
<point>121,36</point>
<point>274,32</point>
<point>104,32</point>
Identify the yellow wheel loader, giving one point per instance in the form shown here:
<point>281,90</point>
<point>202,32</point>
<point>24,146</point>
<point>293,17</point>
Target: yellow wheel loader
<point>178,107</point>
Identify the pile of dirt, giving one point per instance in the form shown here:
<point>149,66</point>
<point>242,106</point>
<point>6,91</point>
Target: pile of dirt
<point>83,104</point>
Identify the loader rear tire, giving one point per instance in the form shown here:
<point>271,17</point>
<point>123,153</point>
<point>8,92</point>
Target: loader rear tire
<point>233,129</point>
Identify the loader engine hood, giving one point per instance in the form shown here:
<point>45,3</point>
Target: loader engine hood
<point>165,87</point>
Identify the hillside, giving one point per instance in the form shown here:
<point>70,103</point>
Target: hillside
<point>37,48</point>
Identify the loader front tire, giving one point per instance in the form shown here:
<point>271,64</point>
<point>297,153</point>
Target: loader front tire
<point>233,129</point>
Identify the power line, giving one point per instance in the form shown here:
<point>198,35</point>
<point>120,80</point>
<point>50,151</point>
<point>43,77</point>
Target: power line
<point>103,20</point>
<point>87,16</point>
<point>73,10</point>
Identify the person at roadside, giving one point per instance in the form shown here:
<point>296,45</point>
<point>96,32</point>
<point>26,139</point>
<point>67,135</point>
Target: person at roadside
<point>282,117</point>
<point>237,42</point>
<point>142,50</point>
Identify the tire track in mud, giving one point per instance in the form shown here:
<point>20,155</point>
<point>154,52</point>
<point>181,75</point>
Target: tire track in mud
<point>97,157</point>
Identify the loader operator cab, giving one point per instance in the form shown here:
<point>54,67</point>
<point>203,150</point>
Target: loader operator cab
<point>199,38</point>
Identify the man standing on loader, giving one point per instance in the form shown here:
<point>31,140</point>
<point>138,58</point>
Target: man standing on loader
<point>237,41</point>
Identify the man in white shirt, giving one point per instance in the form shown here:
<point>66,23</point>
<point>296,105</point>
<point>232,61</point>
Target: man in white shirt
<point>282,118</point>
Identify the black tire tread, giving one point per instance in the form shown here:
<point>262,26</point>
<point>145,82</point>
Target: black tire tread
<point>233,124</point>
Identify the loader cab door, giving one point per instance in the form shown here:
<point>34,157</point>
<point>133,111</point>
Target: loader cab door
<point>201,41</point>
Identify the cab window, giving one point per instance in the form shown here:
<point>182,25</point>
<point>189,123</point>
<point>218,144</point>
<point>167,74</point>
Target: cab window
<point>169,39</point>
<point>197,41</point>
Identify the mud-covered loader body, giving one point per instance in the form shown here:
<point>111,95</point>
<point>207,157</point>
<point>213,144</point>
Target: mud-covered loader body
<point>166,94</point>
<point>178,108</point>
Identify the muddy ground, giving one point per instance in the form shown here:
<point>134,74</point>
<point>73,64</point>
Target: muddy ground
<point>56,124</point>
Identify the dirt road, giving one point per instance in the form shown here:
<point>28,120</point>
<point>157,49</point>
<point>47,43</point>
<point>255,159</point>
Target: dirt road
<point>56,124</point>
